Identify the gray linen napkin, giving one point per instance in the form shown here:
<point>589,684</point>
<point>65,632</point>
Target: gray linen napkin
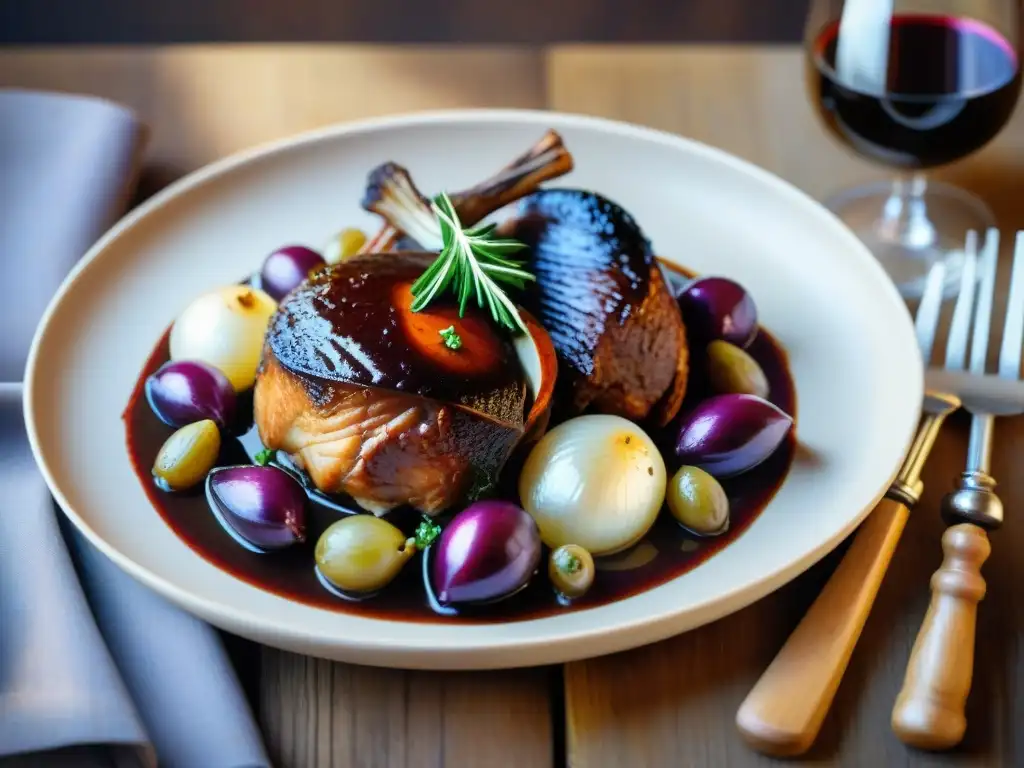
<point>93,657</point>
<point>58,683</point>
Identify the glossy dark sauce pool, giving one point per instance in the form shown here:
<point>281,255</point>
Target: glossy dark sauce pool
<point>666,552</point>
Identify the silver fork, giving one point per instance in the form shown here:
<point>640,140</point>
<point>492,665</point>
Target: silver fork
<point>929,710</point>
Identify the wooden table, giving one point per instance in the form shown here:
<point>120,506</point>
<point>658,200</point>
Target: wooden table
<point>671,704</point>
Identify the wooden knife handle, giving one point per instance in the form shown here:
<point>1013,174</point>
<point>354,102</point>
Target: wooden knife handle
<point>782,714</point>
<point>929,711</point>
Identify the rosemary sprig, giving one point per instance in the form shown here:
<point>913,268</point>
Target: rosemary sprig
<point>472,263</point>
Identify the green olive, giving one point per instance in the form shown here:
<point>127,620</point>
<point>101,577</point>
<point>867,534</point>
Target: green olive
<point>571,570</point>
<point>187,456</point>
<point>362,553</point>
<point>733,371</point>
<point>698,501</point>
<point>344,245</point>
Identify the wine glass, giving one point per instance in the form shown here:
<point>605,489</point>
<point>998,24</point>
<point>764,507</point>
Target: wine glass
<point>914,84</point>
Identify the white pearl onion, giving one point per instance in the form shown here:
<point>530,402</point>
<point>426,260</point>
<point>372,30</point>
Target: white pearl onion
<point>226,329</point>
<point>595,481</point>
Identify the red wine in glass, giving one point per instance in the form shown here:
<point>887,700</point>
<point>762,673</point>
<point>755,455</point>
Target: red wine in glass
<point>951,83</point>
<point>913,85</point>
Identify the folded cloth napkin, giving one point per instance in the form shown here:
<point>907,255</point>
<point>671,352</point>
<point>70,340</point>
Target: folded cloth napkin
<point>89,658</point>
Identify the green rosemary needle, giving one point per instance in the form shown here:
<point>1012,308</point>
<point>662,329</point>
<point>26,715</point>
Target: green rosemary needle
<point>472,262</point>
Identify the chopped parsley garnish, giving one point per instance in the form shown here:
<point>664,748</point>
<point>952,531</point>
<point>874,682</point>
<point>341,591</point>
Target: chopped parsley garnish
<point>567,562</point>
<point>426,532</point>
<point>265,456</point>
<point>452,340</point>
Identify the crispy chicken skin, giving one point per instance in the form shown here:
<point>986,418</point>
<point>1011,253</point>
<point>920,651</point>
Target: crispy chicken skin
<point>383,449</point>
<point>366,398</point>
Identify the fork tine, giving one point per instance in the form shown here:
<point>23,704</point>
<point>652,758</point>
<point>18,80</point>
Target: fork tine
<point>927,321</point>
<point>983,313</point>
<point>1013,330</point>
<point>960,329</point>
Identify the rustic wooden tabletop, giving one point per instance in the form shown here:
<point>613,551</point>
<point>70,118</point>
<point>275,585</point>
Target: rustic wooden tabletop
<point>671,704</point>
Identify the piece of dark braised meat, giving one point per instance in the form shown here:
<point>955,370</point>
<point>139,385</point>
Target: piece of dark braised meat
<point>365,397</point>
<point>601,295</point>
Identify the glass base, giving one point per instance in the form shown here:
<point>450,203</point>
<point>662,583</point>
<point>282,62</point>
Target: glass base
<point>911,225</point>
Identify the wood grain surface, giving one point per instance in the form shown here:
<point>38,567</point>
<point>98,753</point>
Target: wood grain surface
<point>319,713</point>
<point>670,704</point>
<point>783,713</point>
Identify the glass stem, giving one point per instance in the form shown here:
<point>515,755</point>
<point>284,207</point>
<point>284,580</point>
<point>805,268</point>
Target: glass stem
<point>905,217</point>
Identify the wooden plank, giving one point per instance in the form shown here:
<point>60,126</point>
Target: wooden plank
<point>204,102</point>
<point>674,703</point>
<point>316,713</point>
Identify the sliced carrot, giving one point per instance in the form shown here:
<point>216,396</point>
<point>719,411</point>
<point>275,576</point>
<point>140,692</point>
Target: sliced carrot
<point>481,350</point>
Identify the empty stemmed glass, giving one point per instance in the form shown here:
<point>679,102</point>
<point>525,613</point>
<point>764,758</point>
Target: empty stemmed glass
<point>913,85</point>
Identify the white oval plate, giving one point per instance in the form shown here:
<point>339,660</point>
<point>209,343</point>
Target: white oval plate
<point>849,337</point>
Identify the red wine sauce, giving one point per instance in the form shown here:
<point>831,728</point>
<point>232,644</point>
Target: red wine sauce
<point>665,553</point>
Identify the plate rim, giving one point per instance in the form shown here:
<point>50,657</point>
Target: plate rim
<point>406,653</point>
